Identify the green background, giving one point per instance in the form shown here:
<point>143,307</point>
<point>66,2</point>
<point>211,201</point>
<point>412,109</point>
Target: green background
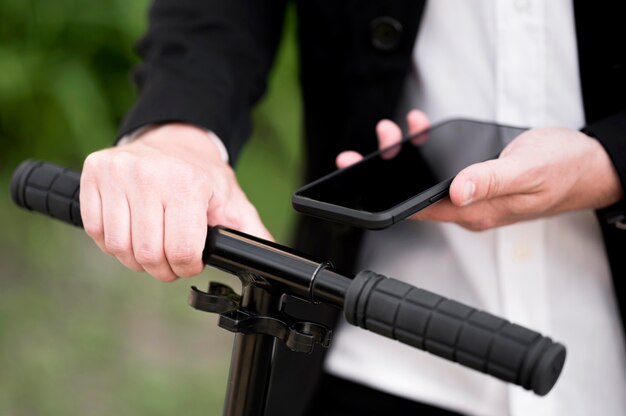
<point>80,335</point>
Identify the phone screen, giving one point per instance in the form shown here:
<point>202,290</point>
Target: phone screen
<point>394,175</point>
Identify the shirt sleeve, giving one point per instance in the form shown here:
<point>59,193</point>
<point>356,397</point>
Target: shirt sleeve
<point>611,133</point>
<point>205,63</point>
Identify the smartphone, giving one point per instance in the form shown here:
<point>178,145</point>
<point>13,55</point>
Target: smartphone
<point>391,184</point>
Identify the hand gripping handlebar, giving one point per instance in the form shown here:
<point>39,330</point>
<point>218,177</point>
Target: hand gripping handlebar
<point>388,307</point>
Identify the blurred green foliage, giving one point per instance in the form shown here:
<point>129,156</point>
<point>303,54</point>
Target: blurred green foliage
<point>79,335</point>
<point>64,75</point>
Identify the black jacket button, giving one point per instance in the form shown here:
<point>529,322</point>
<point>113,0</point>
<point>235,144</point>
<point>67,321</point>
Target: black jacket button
<point>386,33</point>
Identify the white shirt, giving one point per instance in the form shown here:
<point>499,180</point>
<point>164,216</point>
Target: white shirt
<point>514,62</point>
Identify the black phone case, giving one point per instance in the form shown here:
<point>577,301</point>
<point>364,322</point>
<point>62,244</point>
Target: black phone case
<point>364,219</point>
<point>376,220</point>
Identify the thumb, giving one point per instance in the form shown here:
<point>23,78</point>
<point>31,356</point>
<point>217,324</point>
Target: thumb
<point>347,158</point>
<point>487,180</point>
<point>239,214</point>
<point>253,225</point>
<point>250,222</point>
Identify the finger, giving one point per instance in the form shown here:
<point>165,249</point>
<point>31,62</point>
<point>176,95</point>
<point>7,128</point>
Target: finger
<point>184,236</point>
<point>488,180</point>
<point>116,225</point>
<point>417,122</point>
<point>147,223</point>
<point>91,211</point>
<point>443,211</point>
<point>347,158</point>
<point>388,134</point>
<point>479,216</point>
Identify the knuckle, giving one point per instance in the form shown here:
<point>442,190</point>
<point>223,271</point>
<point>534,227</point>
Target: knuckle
<point>94,230</point>
<point>93,162</point>
<point>521,206</point>
<point>190,270</point>
<point>149,257</point>
<point>165,276</point>
<point>480,224</point>
<point>493,183</point>
<point>182,256</point>
<point>112,163</point>
<point>116,245</point>
<point>92,169</point>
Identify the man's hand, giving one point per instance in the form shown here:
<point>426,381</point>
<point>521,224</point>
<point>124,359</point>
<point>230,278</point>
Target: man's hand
<point>148,203</point>
<point>543,172</point>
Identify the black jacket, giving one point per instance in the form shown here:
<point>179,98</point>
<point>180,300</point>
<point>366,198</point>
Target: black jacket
<point>206,63</point>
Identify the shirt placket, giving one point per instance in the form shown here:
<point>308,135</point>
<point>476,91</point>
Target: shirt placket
<point>520,100</point>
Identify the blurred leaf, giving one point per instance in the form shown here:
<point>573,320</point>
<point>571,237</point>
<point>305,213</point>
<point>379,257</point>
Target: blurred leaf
<point>79,335</point>
<point>83,106</point>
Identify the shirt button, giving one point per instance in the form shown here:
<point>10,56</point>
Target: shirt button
<point>386,33</point>
<point>521,252</point>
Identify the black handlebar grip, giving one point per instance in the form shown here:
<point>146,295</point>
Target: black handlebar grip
<point>47,188</point>
<point>454,331</point>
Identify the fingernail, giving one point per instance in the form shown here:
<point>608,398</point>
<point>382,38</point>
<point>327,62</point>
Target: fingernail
<point>468,192</point>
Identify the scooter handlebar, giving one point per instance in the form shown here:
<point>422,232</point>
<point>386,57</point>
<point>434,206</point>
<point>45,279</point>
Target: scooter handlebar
<point>382,305</point>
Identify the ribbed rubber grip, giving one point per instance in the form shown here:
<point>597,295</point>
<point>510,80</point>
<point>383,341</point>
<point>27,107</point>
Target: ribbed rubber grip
<point>454,331</point>
<point>47,188</point>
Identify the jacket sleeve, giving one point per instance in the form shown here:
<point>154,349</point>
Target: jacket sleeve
<point>205,62</point>
<point>611,133</point>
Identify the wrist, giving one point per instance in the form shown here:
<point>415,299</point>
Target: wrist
<point>605,180</point>
<point>176,138</point>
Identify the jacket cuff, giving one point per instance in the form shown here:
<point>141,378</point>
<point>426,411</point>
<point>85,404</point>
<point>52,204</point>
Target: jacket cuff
<point>611,133</point>
<point>221,114</point>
